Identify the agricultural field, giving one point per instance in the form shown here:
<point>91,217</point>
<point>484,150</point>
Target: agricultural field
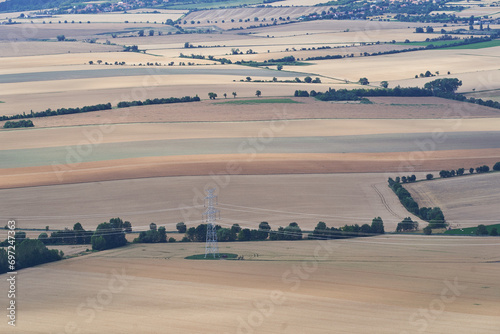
<point>378,285</point>
<point>468,200</point>
<point>273,153</point>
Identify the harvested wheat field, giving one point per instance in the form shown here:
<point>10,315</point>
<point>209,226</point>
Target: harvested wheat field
<point>392,284</point>
<point>467,200</point>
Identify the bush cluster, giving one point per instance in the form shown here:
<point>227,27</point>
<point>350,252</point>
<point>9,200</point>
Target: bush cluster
<point>18,124</point>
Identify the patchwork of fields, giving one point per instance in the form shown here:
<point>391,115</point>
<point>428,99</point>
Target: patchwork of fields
<point>273,156</point>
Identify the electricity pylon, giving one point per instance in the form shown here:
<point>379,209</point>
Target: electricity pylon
<point>210,216</point>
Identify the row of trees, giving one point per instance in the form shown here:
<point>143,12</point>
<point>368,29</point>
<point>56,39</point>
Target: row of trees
<point>461,171</point>
<point>97,107</point>
<point>236,233</point>
<point>434,216</point>
<point>322,232</point>
<point>125,104</point>
<point>60,111</point>
<point>76,236</point>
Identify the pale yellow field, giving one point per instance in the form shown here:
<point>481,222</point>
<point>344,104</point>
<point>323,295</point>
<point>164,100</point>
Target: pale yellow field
<point>249,13</point>
<point>110,17</point>
<point>51,137</point>
<point>477,11</point>
<point>296,3</point>
<point>407,65</point>
<point>385,284</point>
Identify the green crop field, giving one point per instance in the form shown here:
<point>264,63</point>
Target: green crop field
<point>222,256</point>
<point>258,101</point>
<point>435,43</point>
<point>482,45</point>
<point>470,230</point>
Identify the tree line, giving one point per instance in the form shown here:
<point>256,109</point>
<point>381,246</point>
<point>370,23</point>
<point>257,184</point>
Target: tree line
<point>57,112</point>
<point>434,216</point>
<point>97,107</point>
<point>444,88</point>
<point>322,232</point>
<point>125,104</point>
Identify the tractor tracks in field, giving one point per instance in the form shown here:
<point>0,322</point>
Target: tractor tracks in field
<point>384,202</point>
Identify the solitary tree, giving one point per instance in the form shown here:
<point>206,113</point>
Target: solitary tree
<point>225,95</point>
<point>481,230</point>
<point>258,93</point>
<point>279,67</point>
<point>151,32</point>
<point>384,84</point>
<point>234,94</point>
<point>140,32</point>
<point>364,81</point>
<point>308,79</point>
<point>212,95</point>
<point>61,38</point>
<point>248,79</point>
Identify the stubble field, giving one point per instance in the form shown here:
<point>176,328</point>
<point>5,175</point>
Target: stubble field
<point>381,285</point>
<point>468,201</point>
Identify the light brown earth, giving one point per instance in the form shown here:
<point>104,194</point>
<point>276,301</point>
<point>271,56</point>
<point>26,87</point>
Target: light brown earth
<point>307,108</point>
<point>391,284</point>
<point>467,200</point>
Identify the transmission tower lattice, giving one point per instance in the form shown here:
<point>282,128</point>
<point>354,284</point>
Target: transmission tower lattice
<point>210,216</point>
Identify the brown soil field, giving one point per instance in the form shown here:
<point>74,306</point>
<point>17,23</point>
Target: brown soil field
<point>262,164</point>
<point>387,284</point>
<point>308,108</point>
<point>467,201</point>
